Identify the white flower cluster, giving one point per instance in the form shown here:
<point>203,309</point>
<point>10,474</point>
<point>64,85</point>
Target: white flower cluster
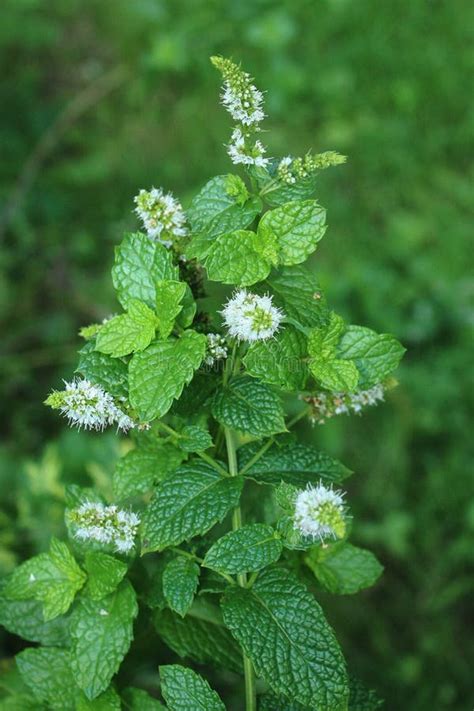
<point>292,169</point>
<point>241,152</point>
<point>108,525</point>
<point>162,215</point>
<point>325,405</point>
<point>89,406</point>
<point>216,348</point>
<point>250,317</point>
<point>320,512</point>
<point>244,102</point>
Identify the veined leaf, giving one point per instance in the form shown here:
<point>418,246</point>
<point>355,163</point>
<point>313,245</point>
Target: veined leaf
<point>204,497</point>
<point>237,258</point>
<point>296,464</point>
<point>296,227</point>
<point>105,573</point>
<point>184,690</point>
<point>47,672</point>
<point>101,632</point>
<point>141,468</point>
<point>194,439</point>
<point>332,372</point>
<point>128,333</point>
<point>344,569</point>
<point>249,406</point>
<point>25,619</point>
<point>140,264</point>
<point>284,632</point>
<point>101,369</point>
<point>297,292</point>
<point>169,295</point>
<point>248,549</point>
<point>280,360</point>
<point>375,355</point>
<point>180,580</point>
<point>158,375</point>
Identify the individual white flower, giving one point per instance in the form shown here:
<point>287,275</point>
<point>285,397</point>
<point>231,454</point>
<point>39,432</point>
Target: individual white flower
<point>216,348</point>
<point>161,214</point>
<point>240,96</point>
<point>108,525</point>
<point>250,317</point>
<point>89,406</point>
<point>241,151</point>
<point>320,512</point>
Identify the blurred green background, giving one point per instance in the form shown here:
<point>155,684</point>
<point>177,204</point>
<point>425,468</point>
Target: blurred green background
<point>102,97</point>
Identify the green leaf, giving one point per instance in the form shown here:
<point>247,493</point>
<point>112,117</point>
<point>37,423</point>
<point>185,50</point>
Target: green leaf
<point>213,200</point>
<point>187,504</point>
<point>280,360</point>
<point>101,369</point>
<point>188,309</point>
<point>184,690</point>
<point>105,573</point>
<point>141,468</point>
<point>128,333</point>
<point>299,295</point>
<point>108,701</point>
<point>52,578</point>
<point>200,636</point>
<point>139,264</point>
<point>25,619</point>
<point>273,702</point>
<point>361,698</point>
<point>296,464</point>
<point>101,632</point>
<point>248,549</point>
<point>140,700</point>
<point>47,672</point>
<point>180,580</point>
<point>284,632</point>
<point>344,569</point>
<point>194,439</point>
<point>249,406</point>
<point>237,258</point>
<point>169,295</point>
<point>158,375</point>
<point>375,355</point>
<point>332,373</point>
<point>296,227</point>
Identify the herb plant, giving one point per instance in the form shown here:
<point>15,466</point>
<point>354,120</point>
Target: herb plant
<point>223,527</point>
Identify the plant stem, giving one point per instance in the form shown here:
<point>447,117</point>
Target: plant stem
<point>249,674</point>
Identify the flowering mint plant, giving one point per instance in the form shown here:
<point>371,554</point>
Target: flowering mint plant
<point>223,528</point>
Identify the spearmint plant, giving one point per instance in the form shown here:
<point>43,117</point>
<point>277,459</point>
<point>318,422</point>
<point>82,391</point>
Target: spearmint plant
<point>223,528</point>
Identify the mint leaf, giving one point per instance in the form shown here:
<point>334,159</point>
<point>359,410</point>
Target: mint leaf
<point>200,636</point>
<point>296,464</point>
<point>375,355</point>
<point>140,700</point>
<point>158,375</point>
<point>280,360</point>
<point>297,292</point>
<point>104,574</point>
<point>332,373</point>
<point>194,439</point>
<point>47,672</point>
<point>344,569</point>
<point>139,264</point>
<point>109,700</point>
<point>273,702</point>
<point>237,258</point>
<point>296,227</point>
<point>249,406</point>
<point>128,333</point>
<point>204,499</point>
<point>284,632</point>
<point>101,369</point>
<point>188,309</point>
<point>25,619</point>
<point>101,632</point>
<point>52,578</point>
<point>184,690</point>
<point>169,295</point>
<point>141,468</point>
<point>248,549</point>
<point>180,580</point>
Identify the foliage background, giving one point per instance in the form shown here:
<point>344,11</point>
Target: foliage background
<point>102,97</point>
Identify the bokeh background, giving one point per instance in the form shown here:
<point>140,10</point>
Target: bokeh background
<point>101,97</point>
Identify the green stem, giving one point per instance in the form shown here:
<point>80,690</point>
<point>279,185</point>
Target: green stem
<point>249,674</point>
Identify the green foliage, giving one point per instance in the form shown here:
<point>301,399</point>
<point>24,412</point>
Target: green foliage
<point>250,407</point>
<point>344,569</point>
<point>184,690</point>
<point>180,581</point>
<point>129,333</point>
<point>382,266</point>
<point>250,548</point>
<point>104,574</point>
<point>295,228</point>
